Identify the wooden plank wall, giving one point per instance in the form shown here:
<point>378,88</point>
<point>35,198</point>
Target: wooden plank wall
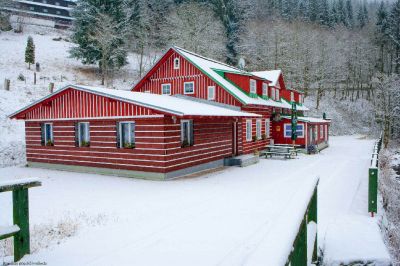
<point>251,146</point>
<point>158,145</point>
<point>176,77</point>
<point>75,104</point>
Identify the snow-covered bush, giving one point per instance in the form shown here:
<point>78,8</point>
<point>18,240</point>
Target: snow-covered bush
<point>389,187</point>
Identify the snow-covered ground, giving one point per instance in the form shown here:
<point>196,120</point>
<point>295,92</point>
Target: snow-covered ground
<point>55,66</point>
<point>238,216</point>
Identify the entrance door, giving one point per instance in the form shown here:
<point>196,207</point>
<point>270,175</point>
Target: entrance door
<point>311,135</point>
<point>235,136</point>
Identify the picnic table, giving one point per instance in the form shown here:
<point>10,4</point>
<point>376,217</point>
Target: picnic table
<point>286,150</point>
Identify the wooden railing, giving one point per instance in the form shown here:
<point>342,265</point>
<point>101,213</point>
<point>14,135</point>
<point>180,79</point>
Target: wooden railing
<point>20,229</point>
<point>373,178</point>
<point>302,253</point>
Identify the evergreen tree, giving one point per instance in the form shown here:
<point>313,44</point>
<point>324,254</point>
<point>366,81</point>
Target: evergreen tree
<point>286,11</point>
<point>303,10</point>
<point>394,33</point>
<point>30,52</point>
<point>365,10</point>
<point>342,16</point>
<point>232,14</point>
<point>88,15</point>
<point>313,10</point>
<point>381,19</point>
<point>333,15</point>
<point>349,13</point>
<point>360,17</point>
<point>324,16</point>
<point>381,33</point>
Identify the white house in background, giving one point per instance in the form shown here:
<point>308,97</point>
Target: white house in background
<point>58,11</point>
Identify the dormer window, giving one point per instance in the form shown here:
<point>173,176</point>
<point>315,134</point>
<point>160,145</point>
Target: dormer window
<point>273,93</point>
<point>300,99</point>
<point>176,63</point>
<point>291,96</point>
<point>265,89</point>
<point>277,95</point>
<point>253,86</point>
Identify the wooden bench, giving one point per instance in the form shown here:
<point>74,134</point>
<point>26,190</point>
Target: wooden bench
<point>279,150</point>
<point>20,229</point>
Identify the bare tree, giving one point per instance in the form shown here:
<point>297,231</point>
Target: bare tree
<point>193,26</point>
<point>388,106</point>
<point>106,32</point>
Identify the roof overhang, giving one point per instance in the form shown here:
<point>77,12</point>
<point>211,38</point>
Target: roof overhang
<point>161,109</point>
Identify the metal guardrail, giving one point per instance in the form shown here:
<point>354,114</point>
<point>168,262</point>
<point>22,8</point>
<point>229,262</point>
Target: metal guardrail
<point>301,253</point>
<point>373,178</point>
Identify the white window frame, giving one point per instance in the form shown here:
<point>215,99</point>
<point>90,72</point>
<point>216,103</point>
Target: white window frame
<point>177,63</point>
<point>288,134</point>
<point>265,89</point>
<point>258,128</point>
<point>51,133</point>
<point>267,128</point>
<point>249,126</point>
<point>300,98</point>
<point>321,131</point>
<point>130,132</point>
<point>87,133</point>
<point>211,88</point>
<point>273,93</point>
<point>162,88</point>
<point>184,87</point>
<point>253,86</point>
<point>188,131</point>
<point>292,96</point>
<point>326,132</point>
<point>277,97</point>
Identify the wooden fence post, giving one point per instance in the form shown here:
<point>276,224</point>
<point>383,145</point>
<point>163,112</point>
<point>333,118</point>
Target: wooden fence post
<point>7,84</point>
<point>51,87</point>
<point>21,218</point>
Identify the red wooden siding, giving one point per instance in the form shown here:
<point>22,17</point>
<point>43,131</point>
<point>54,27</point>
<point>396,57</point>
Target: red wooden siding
<point>251,146</point>
<point>212,141</point>
<point>165,73</point>
<point>158,145</point>
<point>77,104</point>
<point>278,132</point>
<point>241,81</point>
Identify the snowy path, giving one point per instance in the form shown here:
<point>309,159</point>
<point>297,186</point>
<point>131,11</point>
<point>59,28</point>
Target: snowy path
<point>239,216</point>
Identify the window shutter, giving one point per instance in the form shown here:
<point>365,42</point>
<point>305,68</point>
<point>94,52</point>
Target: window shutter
<point>42,133</point>
<point>76,134</point>
<point>118,138</point>
<point>191,132</point>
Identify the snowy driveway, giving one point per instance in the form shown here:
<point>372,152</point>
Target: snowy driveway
<point>239,216</point>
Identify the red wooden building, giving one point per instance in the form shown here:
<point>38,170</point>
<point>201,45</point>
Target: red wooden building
<point>187,114</point>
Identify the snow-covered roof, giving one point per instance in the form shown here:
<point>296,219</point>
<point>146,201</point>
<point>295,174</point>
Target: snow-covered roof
<point>309,119</point>
<point>163,103</point>
<point>300,107</point>
<point>271,75</point>
<point>209,67</point>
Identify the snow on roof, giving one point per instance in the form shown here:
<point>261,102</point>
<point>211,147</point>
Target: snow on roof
<point>309,119</point>
<point>271,75</point>
<point>300,107</point>
<point>163,103</point>
<point>208,66</point>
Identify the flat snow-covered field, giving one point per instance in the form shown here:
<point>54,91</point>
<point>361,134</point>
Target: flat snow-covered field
<point>239,216</point>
